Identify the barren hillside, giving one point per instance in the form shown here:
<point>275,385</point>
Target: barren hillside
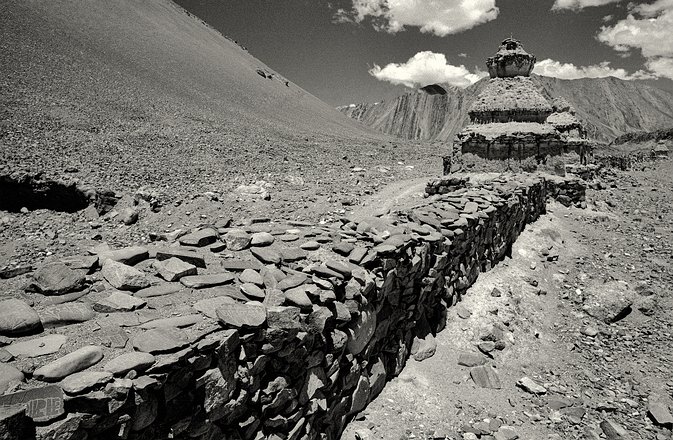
<point>141,92</point>
<point>608,106</point>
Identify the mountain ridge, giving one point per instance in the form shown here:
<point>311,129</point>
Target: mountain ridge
<point>609,107</point>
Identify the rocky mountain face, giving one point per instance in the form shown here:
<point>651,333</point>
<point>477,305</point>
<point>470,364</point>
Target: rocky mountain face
<point>608,107</point>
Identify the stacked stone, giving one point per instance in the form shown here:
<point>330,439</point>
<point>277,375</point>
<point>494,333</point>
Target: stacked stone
<point>569,191</point>
<point>446,184</point>
<point>511,119</point>
<point>266,331</point>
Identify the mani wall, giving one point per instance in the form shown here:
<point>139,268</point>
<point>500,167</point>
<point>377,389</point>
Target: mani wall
<point>288,337</point>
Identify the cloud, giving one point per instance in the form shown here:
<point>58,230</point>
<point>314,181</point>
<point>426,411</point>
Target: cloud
<point>651,34</point>
<point>439,17</point>
<point>426,68</point>
<point>557,69</point>
<point>661,67</point>
<point>647,28</point>
<point>576,5</point>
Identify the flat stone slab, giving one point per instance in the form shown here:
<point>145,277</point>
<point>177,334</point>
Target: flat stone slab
<point>64,314</point>
<point>17,318</point>
<point>290,254</point>
<point>298,297</point>
<point>160,290</point>
<point>267,255</point>
<point>190,257</point>
<point>253,291</point>
<point>118,302</point>
<point>71,363</point>
<point>236,264</point>
<point>176,321</point>
<point>251,314</point>
<point>9,375</point>
<point>485,376</point>
<point>292,281</point>
<point>251,276</point>
<point>38,346</point>
<point>471,359</point>
<point>124,277</point>
<point>201,281</point>
<point>129,255</point>
<point>160,340</point>
<point>126,362</point>
<point>80,382</point>
<point>56,279</point>
<point>174,268</point>
<point>209,305</point>
<point>201,238</point>
<point>42,404</point>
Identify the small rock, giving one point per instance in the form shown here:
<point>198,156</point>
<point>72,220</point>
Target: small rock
<point>530,386</point>
<point>251,314</point>
<point>124,277</point>
<point>589,331</point>
<point>267,255</point>
<point>261,239</point>
<point>9,376</point>
<point>71,363</point>
<point>310,246</point>
<point>118,302</point>
<point>253,291</point>
<point>201,238</point>
<point>160,340</point>
<point>174,268</point>
<point>506,433</point>
<point>17,318</point>
<point>126,362</point>
<point>38,346</point>
<point>237,239</point>
<point>56,279</point>
<point>471,359</point>
<point>614,431</point>
<point>77,383</point>
<point>486,376</point>
<point>659,412</point>
<point>251,276</point>
<point>201,281</point>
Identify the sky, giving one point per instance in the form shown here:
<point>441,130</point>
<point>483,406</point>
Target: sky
<point>351,51</point>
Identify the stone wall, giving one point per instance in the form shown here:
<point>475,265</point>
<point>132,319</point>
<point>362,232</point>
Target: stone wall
<point>288,334</point>
<point>508,147</point>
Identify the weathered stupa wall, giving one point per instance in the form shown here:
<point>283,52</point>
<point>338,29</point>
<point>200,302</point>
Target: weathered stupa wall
<point>300,363</point>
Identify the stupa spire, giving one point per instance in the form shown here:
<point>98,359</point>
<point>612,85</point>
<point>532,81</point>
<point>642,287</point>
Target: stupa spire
<point>510,60</point>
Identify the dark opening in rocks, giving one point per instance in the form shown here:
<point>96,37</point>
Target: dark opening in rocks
<point>21,190</point>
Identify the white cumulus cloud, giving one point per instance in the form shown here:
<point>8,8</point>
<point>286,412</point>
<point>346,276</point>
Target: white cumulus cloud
<point>426,68</point>
<point>556,69</point>
<point>576,5</point>
<point>647,28</point>
<point>439,17</point>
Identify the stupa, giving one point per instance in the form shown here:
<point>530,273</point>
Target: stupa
<point>511,119</point>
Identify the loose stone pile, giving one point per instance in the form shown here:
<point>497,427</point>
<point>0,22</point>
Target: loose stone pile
<point>511,119</point>
<point>268,330</point>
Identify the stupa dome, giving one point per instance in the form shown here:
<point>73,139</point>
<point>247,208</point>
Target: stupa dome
<point>510,60</point>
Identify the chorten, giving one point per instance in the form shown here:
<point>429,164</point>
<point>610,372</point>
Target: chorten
<point>511,119</point>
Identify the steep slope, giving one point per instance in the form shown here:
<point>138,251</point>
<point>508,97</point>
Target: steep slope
<point>608,106</point>
<point>134,92</point>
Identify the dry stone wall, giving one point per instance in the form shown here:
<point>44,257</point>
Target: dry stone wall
<point>267,331</point>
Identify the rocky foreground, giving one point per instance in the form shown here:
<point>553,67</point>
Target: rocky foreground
<point>260,330</point>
